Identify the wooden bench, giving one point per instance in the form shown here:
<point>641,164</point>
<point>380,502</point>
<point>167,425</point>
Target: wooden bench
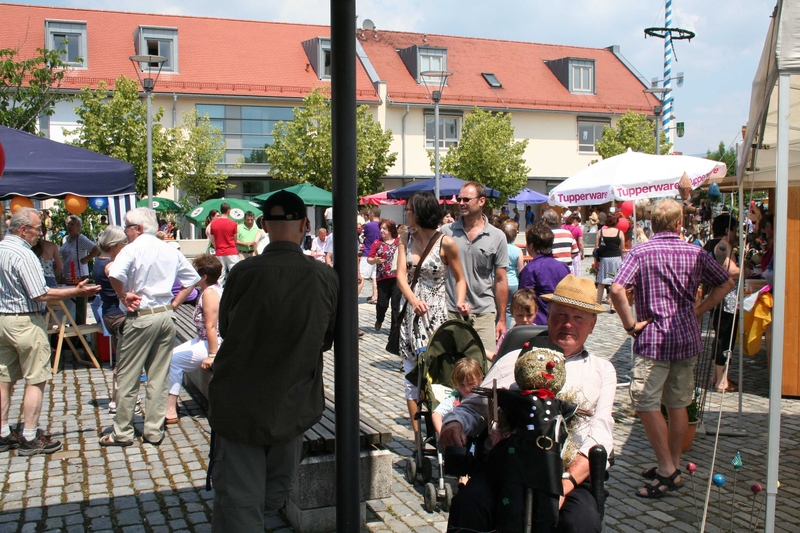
<point>311,506</point>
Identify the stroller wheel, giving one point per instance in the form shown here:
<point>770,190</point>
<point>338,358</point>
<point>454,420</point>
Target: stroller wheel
<point>427,469</point>
<point>430,497</point>
<point>411,470</point>
<point>448,497</point>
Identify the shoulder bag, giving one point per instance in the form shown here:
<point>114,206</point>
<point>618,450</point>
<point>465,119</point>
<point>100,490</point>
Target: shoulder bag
<point>393,344</point>
<point>600,249</point>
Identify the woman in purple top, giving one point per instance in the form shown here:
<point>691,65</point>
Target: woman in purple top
<point>543,272</point>
<point>573,225</point>
<point>382,255</point>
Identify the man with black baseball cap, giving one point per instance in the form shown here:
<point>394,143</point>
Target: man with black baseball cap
<point>277,316</point>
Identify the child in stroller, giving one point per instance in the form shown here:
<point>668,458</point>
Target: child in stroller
<point>467,374</point>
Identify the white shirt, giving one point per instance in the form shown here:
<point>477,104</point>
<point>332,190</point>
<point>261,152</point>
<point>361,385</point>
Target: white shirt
<point>592,381</point>
<point>329,247</point>
<point>73,252</point>
<point>149,267</point>
<point>329,213</point>
<point>318,247</point>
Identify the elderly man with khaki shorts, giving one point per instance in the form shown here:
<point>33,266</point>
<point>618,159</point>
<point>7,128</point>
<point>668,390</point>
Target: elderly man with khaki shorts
<point>665,274</point>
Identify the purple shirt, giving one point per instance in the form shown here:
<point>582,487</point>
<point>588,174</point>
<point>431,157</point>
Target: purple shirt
<point>371,232</point>
<point>542,275</point>
<point>665,273</point>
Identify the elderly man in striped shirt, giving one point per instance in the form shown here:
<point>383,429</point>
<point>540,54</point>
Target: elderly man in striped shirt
<point>665,274</point>
<point>24,346</point>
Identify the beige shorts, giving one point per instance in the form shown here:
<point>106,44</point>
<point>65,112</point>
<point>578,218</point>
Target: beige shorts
<point>484,324</point>
<point>656,382</point>
<point>24,349</point>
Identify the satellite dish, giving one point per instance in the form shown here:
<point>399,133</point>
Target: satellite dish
<point>368,24</point>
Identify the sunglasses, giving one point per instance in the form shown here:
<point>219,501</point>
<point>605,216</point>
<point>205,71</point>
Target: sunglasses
<point>465,199</point>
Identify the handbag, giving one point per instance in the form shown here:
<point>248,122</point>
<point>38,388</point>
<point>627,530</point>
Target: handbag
<point>598,251</point>
<point>393,343</point>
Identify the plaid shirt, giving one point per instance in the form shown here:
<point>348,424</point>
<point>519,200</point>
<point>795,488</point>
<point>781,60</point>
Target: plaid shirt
<point>666,273</point>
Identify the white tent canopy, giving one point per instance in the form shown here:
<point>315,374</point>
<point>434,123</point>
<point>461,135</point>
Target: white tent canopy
<point>771,152</point>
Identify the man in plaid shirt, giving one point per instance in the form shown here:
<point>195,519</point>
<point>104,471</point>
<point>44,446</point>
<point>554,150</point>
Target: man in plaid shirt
<point>665,274</point>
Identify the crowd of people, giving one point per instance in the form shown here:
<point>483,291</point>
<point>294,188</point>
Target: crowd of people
<point>438,266</point>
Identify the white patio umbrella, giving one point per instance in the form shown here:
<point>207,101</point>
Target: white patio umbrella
<point>633,176</point>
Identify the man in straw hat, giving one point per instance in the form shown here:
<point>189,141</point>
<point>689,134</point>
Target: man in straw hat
<point>665,273</point>
<point>572,314</point>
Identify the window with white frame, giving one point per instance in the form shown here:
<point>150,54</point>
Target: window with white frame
<point>159,42</point>
<point>324,59</point>
<point>69,39</point>
<point>448,131</point>
<point>581,76</point>
<point>434,59</point>
<point>590,130</point>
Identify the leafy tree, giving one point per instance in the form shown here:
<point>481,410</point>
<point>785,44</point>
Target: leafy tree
<point>29,87</point>
<point>302,149</point>
<point>117,126</point>
<point>487,154</point>
<point>200,149</point>
<point>726,155</point>
<point>633,131</point>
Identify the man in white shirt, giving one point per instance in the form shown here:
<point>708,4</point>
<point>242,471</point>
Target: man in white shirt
<point>572,314</point>
<point>142,275</point>
<point>318,245</point>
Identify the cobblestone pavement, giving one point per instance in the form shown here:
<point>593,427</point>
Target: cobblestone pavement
<point>143,488</point>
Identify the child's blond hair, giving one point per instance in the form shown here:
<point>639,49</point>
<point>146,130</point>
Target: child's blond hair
<point>466,371</point>
<point>524,299</point>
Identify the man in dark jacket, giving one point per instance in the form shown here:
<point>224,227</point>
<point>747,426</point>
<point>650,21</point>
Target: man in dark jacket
<point>277,317</point>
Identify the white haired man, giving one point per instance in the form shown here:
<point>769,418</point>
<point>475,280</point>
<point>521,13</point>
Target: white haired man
<point>24,346</point>
<point>142,275</point>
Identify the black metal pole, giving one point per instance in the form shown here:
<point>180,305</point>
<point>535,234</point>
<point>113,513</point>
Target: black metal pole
<point>345,256</point>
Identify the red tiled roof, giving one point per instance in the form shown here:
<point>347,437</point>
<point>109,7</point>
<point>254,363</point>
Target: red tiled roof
<point>527,81</point>
<point>215,56</point>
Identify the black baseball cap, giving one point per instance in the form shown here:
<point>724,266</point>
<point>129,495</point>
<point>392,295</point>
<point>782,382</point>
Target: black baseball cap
<point>293,207</point>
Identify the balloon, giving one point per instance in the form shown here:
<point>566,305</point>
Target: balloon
<point>623,225</point>
<point>627,208</point>
<point>75,205</point>
<point>2,159</point>
<point>18,202</point>
<point>98,203</point>
<point>718,480</point>
<point>691,467</point>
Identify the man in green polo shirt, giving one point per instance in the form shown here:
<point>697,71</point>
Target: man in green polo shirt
<point>247,236</point>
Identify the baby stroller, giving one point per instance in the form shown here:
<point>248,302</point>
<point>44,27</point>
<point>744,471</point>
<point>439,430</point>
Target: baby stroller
<point>453,340</point>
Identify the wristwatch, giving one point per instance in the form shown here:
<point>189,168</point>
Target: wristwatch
<point>567,475</point>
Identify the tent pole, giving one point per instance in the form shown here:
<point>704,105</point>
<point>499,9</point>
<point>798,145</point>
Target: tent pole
<point>779,307</point>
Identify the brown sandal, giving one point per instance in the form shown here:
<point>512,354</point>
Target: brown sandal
<point>108,440</point>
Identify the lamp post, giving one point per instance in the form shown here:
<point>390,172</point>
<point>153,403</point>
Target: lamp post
<point>435,81</point>
<point>148,84</point>
<point>657,110</point>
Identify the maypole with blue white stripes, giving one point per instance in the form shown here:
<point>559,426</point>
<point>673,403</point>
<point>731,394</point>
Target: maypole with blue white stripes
<point>668,51</point>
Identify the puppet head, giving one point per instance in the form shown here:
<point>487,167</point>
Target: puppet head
<point>540,368</point>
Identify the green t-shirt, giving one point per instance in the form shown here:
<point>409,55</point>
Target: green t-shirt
<point>246,235</point>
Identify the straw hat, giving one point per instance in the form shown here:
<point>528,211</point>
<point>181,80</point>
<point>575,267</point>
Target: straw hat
<point>579,293</point>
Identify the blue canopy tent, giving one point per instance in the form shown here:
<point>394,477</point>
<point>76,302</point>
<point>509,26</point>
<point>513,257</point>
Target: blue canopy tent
<point>40,168</point>
<point>448,186</point>
<point>527,196</point>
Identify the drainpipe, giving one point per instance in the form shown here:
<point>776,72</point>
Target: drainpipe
<point>408,110</point>
<point>174,110</point>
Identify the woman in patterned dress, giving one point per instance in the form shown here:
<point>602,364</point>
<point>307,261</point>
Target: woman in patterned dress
<point>427,305</point>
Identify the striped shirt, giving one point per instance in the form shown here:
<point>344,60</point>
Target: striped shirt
<point>564,245</point>
<point>665,273</point>
<point>21,277</point>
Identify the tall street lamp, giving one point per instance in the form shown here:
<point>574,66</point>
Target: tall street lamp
<point>148,84</point>
<point>435,81</point>
<point>657,110</point>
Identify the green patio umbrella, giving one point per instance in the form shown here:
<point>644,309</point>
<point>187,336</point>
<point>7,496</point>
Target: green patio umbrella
<point>161,205</point>
<point>310,194</point>
<point>238,208</point>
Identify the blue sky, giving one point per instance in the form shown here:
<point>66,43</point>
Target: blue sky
<point>718,64</point>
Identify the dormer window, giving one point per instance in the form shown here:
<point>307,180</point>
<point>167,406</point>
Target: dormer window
<point>154,41</point>
<point>581,76</point>
<point>577,75</point>
<point>318,51</point>
<point>492,80</point>
<point>419,59</point>
<point>69,39</point>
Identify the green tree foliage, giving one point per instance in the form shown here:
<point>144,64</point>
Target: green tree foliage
<point>634,131</point>
<point>487,154</point>
<point>302,149</point>
<point>726,155</point>
<point>200,149</point>
<point>117,126</point>
<point>29,87</point>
